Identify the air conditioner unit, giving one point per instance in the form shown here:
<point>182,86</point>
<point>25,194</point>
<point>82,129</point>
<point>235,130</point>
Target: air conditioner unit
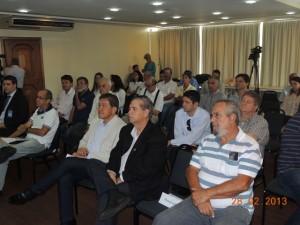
<point>36,24</point>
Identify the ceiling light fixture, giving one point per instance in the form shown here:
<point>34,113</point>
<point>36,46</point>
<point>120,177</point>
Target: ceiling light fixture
<point>217,13</point>
<point>159,11</point>
<point>163,23</point>
<point>176,17</point>
<point>114,9</point>
<point>290,13</point>
<point>23,10</point>
<point>250,2</point>
<point>225,18</point>
<point>107,18</point>
<point>157,3</point>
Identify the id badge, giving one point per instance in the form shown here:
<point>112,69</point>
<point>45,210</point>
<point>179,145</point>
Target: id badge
<point>10,113</point>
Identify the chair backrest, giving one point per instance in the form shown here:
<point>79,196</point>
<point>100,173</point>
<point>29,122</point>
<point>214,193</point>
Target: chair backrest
<point>55,142</point>
<point>276,121</point>
<point>270,102</point>
<point>201,78</point>
<point>182,161</point>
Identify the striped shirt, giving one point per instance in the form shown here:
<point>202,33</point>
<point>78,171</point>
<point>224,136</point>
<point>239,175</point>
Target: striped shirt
<point>219,164</point>
<point>289,157</point>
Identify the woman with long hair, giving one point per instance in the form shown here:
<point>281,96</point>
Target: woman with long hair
<point>97,78</point>
<point>117,87</point>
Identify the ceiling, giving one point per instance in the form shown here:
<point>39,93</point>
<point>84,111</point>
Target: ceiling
<point>192,12</point>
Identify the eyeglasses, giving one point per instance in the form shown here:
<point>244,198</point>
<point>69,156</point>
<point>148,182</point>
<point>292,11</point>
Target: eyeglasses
<point>188,124</point>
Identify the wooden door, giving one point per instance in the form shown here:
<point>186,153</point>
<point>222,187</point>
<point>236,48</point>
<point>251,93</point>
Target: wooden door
<point>29,53</point>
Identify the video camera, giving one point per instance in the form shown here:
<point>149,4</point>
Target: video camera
<point>254,55</point>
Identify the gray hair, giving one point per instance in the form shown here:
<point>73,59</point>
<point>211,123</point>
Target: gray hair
<point>231,108</point>
<point>147,103</point>
<point>106,79</point>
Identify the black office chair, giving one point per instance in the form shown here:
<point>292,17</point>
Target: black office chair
<point>269,102</point>
<point>177,182</point>
<point>278,197</point>
<point>42,157</point>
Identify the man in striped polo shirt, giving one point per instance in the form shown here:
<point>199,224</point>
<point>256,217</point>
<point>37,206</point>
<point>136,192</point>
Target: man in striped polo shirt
<point>288,166</point>
<point>220,175</point>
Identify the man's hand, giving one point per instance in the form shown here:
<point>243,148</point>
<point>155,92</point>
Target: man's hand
<point>202,202</point>
<point>22,128</point>
<point>113,176</point>
<point>81,153</point>
<point>2,125</point>
<point>169,143</point>
<point>119,180</point>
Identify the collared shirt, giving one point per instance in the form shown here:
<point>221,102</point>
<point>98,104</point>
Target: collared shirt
<point>82,115</point>
<point>290,104</point>
<point>257,125</point>
<point>4,110</point>
<point>64,103</point>
<point>180,90</point>
<point>234,96</point>
<point>125,156</point>
<point>208,100</point>
<point>17,72</point>
<point>159,101</point>
<point>167,88</point>
<point>221,163</point>
<point>95,141</point>
<point>199,127</point>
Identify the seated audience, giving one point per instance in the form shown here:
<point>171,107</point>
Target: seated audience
<point>13,107</point>
<point>193,81</point>
<point>64,101</point>
<point>97,78</point>
<point>117,89</point>
<point>220,175</point>
<point>250,122</point>
<point>214,94</point>
<point>134,171</point>
<point>77,123</point>
<point>186,86</point>
<point>192,123</point>
<point>40,130</point>
<point>286,90</point>
<point>205,89</point>
<point>242,82</point>
<point>93,152</point>
<point>136,84</point>
<point>290,103</point>
<point>168,89</point>
<point>288,166</point>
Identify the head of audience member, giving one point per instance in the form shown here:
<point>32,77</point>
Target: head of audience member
<point>224,119</point>
<point>213,83</point>
<point>242,81</point>
<point>116,83</point>
<point>135,67</point>
<point>295,83</point>
<point>137,76</point>
<point>107,107</point>
<point>147,57</point>
<point>147,74</point>
<point>190,102</point>
<point>97,78</point>
<point>66,82</point>
<point>216,73</point>
<point>104,85</point>
<point>186,78</point>
<point>14,61</point>
<point>43,99</point>
<point>140,110</point>
<point>150,84</point>
<point>82,84</point>
<point>9,84</point>
<point>161,75</point>
<point>250,103</point>
<point>167,74</point>
<point>291,76</point>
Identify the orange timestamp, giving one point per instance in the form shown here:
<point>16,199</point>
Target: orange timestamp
<point>257,201</point>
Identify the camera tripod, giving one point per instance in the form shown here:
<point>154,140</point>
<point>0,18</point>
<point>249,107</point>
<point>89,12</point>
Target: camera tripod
<point>254,70</point>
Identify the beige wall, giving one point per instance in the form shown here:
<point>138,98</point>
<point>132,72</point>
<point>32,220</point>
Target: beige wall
<point>89,48</point>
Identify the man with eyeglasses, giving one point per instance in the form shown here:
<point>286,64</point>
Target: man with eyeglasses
<point>40,130</point>
<point>192,123</point>
<point>77,123</point>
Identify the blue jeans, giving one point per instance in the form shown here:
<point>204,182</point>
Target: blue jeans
<point>186,213</point>
<point>290,181</point>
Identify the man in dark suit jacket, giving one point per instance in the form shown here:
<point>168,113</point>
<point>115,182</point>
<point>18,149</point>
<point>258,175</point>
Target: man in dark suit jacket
<point>13,107</point>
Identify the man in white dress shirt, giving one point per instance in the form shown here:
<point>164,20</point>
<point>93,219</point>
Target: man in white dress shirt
<point>16,71</point>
